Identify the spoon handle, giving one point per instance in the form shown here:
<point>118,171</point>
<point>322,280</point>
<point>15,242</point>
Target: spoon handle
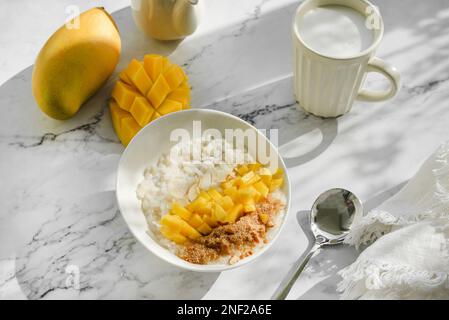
<point>285,291</point>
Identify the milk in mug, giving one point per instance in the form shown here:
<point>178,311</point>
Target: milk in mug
<point>335,31</point>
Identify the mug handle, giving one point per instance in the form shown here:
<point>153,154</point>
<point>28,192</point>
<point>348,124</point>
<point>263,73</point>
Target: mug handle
<point>390,72</point>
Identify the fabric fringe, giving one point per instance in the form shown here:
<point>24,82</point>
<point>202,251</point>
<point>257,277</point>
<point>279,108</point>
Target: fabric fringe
<point>377,223</point>
<point>374,280</point>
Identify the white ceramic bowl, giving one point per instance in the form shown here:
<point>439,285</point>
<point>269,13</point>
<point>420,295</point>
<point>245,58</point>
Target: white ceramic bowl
<point>146,147</point>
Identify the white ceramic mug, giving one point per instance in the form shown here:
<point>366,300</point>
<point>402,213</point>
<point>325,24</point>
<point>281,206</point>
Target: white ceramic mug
<point>327,86</point>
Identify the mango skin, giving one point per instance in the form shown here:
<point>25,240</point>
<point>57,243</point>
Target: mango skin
<point>74,63</point>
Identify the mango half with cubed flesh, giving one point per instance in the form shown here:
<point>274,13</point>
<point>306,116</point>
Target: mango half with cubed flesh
<point>74,63</point>
<point>145,91</point>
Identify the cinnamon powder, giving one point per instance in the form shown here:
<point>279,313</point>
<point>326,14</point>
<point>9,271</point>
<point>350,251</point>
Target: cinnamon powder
<point>235,240</point>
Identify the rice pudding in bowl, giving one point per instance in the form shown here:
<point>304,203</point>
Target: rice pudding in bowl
<point>206,215</point>
<point>211,210</point>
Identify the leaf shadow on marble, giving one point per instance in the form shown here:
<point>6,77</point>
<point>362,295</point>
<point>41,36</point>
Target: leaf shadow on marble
<point>306,140</point>
<point>90,236</point>
<point>427,25</point>
<point>301,136</point>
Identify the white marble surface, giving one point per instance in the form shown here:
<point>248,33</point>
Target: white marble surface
<point>57,178</point>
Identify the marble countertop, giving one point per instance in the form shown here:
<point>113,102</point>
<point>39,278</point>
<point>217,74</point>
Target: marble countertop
<point>57,178</point>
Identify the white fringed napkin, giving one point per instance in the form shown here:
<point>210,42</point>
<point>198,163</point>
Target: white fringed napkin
<point>409,258</point>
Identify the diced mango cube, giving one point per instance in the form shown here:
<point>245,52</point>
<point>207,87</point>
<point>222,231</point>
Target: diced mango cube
<point>205,195</point>
<point>165,64</point>
<point>266,179</point>
<point>169,106</point>
<point>255,179</point>
<point>249,207</point>
<point>180,211</point>
<point>214,194</point>
<point>199,202</point>
<point>175,222</point>
<point>184,84</point>
<point>227,184</point>
<point>185,78</point>
<point>155,116</point>
<point>262,188</point>
<point>264,217</point>
<point>129,127</point>
<point>238,182</point>
<point>158,91</point>
<point>204,209</point>
<point>254,166</point>
<point>181,95</point>
<point>204,229</point>
<point>244,195</point>
<point>278,174</point>
<point>235,213</point>
<point>232,192</point>
<point>265,175</point>
<point>264,172</point>
<point>276,183</point>
<point>242,169</point>
<point>138,76</point>
<point>141,110</point>
<point>195,220</point>
<point>257,195</point>
<point>174,76</point>
<point>210,221</point>
<point>173,235</point>
<point>226,202</point>
<point>117,114</point>
<point>152,64</point>
<point>250,177</point>
<point>219,214</point>
<point>124,95</point>
<point>124,77</point>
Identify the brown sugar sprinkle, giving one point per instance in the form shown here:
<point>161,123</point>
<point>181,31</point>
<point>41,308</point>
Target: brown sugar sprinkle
<point>235,240</point>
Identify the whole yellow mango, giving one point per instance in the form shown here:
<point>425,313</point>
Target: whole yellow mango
<point>75,62</point>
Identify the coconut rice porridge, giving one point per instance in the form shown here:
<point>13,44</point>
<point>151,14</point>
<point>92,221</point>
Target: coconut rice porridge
<point>208,202</point>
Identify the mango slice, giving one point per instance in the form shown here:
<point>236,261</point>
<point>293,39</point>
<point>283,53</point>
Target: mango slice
<point>137,74</point>
<point>141,110</point>
<point>204,228</point>
<point>124,124</point>
<point>124,95</point>
<point>181,211</point>
<point>147,90</point>
<point>129,128</point>
<point>117,115</point>
<point>178,225</point>
<point>169,106</point>
<point>181,95</point>
<point>238,195</point>
<point>174,76</point>
<point>235,213</point>
<point>264,217</point>
<point>153,65</point>
<point>173,235</point>
<point>159,91</point>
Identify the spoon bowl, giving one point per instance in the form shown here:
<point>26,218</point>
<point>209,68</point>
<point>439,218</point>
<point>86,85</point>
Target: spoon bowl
<point>331,218</point>
<point>332,215</point>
